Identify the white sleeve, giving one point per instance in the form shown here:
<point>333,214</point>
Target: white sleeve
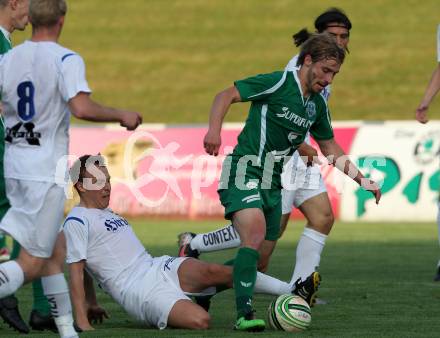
<point>76,231</point>
<point>438,43</point>
<point>292,64</point>
<point>73,76</point>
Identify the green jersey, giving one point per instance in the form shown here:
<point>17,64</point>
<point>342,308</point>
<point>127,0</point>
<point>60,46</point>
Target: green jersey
<point>5,43</point>
<point>279,119</point>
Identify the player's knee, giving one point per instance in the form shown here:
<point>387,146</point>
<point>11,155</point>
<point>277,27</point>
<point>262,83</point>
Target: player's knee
<point>201,321</point>
<point>255,238</point>
<point>323,222</point>
<point>328,219</point>
<point>215,270</point>
<point>32,267</point>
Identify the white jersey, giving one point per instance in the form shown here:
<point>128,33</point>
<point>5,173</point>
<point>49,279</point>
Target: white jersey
<point>37,79</point>
<point>112,252</point>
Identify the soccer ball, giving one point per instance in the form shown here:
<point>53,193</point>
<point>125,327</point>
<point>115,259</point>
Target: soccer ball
<point>289,313</point>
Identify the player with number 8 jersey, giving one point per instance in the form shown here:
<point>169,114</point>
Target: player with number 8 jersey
<point>41,83</point>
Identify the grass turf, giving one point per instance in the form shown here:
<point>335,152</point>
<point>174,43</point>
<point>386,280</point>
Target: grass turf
<point>377,280</point>
<point>167,59</point>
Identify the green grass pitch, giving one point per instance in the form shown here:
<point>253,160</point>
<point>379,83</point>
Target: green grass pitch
<point>377,280</point>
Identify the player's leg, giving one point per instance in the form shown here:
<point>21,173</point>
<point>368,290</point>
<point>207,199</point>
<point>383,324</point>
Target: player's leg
<point>56,289</point>
<point>196,276</point>
<point>284,221</point>
<point>9,310</point>
<point>287,201</point>
<point>266,250</point>
<point>187,315</point>
<point>320,219</point>
<point>191,244</point>
<point>40,318</point>
<point>251,226</point>
<point>272,215</point>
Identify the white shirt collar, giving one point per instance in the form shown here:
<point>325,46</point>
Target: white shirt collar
<point>6,33</point>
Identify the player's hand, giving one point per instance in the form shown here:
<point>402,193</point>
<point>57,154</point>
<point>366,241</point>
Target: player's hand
<point>212,142</point>
<point>421,115</point>
<point>372,186</point>
<point>130,120</point>
<point>96,314</point>
<point>308,154</point>
<point>84,325</point>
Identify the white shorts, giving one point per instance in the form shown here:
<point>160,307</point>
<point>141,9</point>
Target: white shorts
<point>152,296</point>
<point>295,196</point>
<point>35,216</point>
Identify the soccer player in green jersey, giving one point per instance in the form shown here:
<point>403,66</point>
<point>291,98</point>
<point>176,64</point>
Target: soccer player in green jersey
<point>14,16</point>
<point>284,107</point>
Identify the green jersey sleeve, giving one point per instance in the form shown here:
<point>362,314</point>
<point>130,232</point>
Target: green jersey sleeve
<point>322,128</point>
<point>258,87</point>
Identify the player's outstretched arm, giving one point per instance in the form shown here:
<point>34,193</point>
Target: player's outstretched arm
<point>431,91</point>
<point>219,108</point>
<point>95,313</point>
<point>78,295</point>
<point>84,108</point>
<point>336,156</point>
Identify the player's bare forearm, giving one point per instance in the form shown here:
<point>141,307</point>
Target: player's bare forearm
<point>78,295</point>
<point>308,154</point>
<point>336,156</point>
<point>433,86</point>
<point>219,108</point>
<point>84,108</point>
<point>90,293</point>
<point>431,91</point>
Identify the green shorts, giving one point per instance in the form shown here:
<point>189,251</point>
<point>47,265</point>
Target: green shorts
<point>268,200</point>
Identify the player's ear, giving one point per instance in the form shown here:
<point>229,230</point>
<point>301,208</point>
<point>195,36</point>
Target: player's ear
<point>79,186</point>
<point>308,60</point>
<point>61,21</point>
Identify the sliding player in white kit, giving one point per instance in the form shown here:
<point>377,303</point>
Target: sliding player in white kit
<point>303,187</point>
<point>152,290</point>
<point>41,82</point>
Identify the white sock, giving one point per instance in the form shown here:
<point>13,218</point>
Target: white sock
<point>270,285</point>
<point>224,238</point>
<point>308,254</point>
<point>57,293</point>
<point>11,278</point>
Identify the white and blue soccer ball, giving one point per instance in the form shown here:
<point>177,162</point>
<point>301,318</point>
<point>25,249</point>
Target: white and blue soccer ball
<point>289,313</point>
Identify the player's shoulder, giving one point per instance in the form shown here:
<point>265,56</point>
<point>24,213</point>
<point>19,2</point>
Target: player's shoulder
<point>79,216</point>
<point>65,54</point>
<point>321,99</point>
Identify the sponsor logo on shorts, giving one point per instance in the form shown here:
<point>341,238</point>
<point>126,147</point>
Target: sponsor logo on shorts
<point>251,198</point>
